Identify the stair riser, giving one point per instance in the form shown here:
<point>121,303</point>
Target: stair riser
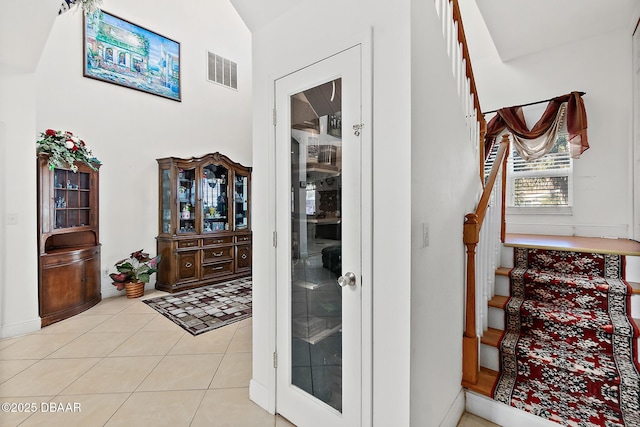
<point>502,286</point>
<point>489,357</point>
<point>506,257</point>
<point>632,269</point>
<point>496,318</point>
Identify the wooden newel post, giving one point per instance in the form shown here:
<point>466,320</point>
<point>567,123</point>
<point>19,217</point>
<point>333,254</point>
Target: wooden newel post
<point>470,364</point>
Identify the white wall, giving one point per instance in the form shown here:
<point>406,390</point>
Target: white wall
<point>600,66</point>
<point>445,186</point>
<point>19,273</point>
<point>303,35</point>
<point>635,31</point>
<point>126,129</point>
<point>18,286</point>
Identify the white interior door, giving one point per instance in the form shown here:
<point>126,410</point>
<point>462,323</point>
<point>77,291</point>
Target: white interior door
<point>319,262</point>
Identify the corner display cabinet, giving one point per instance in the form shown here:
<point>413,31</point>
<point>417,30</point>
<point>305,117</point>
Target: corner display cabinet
<point>68,244</point>
<point>205,225</point>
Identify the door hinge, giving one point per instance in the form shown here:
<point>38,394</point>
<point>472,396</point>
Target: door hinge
<point>274,117</point>
<point>275,239</point>
<point>275,359</point>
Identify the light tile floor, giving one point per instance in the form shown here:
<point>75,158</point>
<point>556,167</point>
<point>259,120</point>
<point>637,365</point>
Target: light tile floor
<point>121,363</point>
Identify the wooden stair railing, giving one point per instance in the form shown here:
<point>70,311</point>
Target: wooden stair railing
<point>462,40</point>
<point>457,49</point>
<point>471,236</point>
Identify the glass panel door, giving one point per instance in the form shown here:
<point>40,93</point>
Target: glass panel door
<point>318,223</point>
<point>166,201</point>
<point>187,200</point>
<point>316,297</point>
<point>240,197</point>
<point>71,198</point>
<point>214,198</point>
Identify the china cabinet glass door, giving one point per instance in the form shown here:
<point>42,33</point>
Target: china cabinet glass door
<point>187,200</point>
<point>214,198</point>
<point>166,201</point>
<point>240,196</point>
<point>71,204</point>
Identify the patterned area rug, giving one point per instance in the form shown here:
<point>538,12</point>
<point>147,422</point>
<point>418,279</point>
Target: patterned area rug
<point>569,349</point>
<point>203,309</point>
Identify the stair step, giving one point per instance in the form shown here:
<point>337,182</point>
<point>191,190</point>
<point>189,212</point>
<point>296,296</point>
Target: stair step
<point>503,271</point>
<point>556,355</point>
<point>573,243</point>
<point>635,287</point>
<point>492,337</point>
<point>486,380</point>
<point>498,301</point>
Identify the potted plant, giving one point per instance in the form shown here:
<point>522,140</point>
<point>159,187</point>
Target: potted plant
<point>134,272</point>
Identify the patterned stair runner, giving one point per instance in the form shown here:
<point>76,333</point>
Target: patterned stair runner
<point>569,350</point>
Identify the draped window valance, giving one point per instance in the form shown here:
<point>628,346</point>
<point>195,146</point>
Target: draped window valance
<point>535,143</point>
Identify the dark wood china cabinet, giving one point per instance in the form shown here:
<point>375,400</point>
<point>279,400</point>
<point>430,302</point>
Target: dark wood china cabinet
<point>204,221</point>
<point>69,242</point>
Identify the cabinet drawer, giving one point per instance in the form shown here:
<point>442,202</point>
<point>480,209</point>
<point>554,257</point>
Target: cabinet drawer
<point>217,240</point>
<point>243,238</point>
<point>187,243</point>
<point>243,258</point>
<point>217,269</point>
<point>217,254</point>
<point>187,265</point>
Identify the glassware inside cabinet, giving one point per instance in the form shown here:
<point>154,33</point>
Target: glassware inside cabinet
<point>214,198</point>
<point>166,201</point>
<point>240,195</point>
<point>187,200</point>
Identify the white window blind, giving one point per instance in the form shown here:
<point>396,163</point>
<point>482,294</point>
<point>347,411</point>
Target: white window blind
<point>539,183</point>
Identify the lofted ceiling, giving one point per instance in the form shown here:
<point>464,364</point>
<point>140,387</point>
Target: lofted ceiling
<point>508,28</point>
<point>257,13</point>
<point>24,28</point>
<point>521,27</point>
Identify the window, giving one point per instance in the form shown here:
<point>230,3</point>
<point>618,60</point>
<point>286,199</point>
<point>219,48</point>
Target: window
<point>543,183</point>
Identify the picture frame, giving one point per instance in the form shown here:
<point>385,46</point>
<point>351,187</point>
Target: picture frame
<point>120,52</point>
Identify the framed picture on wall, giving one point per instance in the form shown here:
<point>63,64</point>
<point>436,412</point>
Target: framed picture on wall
<point>120,52</point>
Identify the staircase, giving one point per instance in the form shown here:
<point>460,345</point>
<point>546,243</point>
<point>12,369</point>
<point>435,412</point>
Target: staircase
<point>488,263</point>
<point>490,340</point>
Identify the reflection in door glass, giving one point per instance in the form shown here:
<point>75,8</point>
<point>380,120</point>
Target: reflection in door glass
<point>316,233</point>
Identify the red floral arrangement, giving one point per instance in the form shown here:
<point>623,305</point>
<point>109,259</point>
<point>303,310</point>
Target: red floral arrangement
<point>64,149</point>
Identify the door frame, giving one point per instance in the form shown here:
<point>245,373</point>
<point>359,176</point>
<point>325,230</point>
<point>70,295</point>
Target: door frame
<point>322,52</point>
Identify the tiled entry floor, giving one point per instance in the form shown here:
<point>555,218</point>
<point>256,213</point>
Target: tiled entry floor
<point>127,365</point>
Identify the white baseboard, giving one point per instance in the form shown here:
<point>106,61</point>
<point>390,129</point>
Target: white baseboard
<point>259,394</point>
<point>455,411</point>
<point>502,414</point>
<point>21,328</point>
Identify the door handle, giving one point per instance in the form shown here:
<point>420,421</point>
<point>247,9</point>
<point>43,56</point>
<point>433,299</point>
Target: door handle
<point>349,279</point>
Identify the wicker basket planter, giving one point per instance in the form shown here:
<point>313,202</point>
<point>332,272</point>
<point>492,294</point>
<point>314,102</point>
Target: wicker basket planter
<point>134,290</point>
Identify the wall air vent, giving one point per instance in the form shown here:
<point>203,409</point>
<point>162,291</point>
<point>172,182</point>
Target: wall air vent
<point>222,71</point>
